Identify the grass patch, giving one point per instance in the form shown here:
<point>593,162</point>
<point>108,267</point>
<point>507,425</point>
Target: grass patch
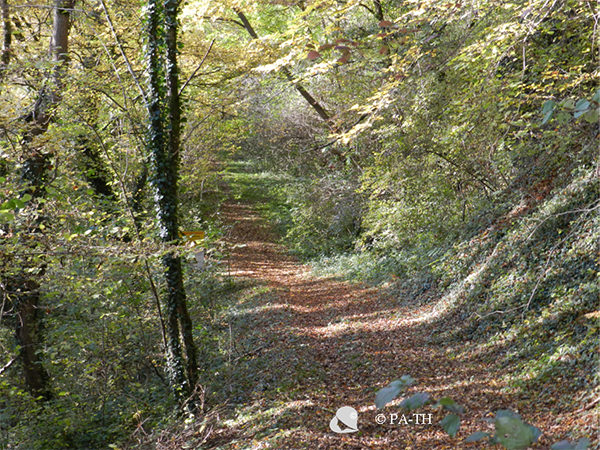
<point>265,191</point>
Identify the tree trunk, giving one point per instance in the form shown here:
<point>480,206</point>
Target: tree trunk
<point>25,288</point>
<point>27,333</point>
<point>163,146</point>
<point>378,10</point>
<point>174,120</point>
<point>6,36</point>
<point>59,47</point>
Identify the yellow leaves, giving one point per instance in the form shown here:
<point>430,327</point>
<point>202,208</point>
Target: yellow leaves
<point>275,65</point>
<point>356,130</point>
<point>321,68</point>
<point>371,108</point>
<point>418,12</point>
<point>196,10</point>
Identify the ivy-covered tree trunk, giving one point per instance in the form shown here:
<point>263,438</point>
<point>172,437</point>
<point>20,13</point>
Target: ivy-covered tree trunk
<point>173,144</point>
<point>6,36</point>
<point>163,145</point>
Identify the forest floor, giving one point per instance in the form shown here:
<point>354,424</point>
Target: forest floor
<point>303,346</point>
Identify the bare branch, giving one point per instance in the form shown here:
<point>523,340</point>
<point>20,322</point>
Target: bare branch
<point>197,68</point>
<point>121,50</point>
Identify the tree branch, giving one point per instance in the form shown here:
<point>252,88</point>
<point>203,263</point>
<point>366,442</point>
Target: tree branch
<point>224,19</point>
<point>121,50</point>
<point>7,366</point>
<point>197,68</point>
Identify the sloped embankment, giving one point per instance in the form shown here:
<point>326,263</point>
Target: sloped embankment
<point>524,293</point>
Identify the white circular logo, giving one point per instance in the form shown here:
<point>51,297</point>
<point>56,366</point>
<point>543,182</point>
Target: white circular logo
<point>346,416</point>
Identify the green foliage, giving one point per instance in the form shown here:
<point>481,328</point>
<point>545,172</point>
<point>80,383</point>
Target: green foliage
<point>589,109</point>
<point>512,432</point>
<point>451,424</point>
<point>313,216</point>
<point>476,437</point>
<point>461,157</point>
<point>500,269</point>
<point>415,401</point>
<point>325,217</point>
<point>391,391</point>
<point>362,266</point>
<point>448,404</point>
<point>100,360</point>
<point>581,444</point>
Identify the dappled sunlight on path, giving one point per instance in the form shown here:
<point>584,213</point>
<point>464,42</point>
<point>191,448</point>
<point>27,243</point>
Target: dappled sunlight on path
<point>328,344</point>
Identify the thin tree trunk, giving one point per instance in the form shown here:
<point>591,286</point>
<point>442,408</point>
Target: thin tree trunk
<point>59,48</point>
<point>309,98</point>
<point>6,36</point>
<point>378,10</point>
<point>27,333</point>
<point>137,198</point>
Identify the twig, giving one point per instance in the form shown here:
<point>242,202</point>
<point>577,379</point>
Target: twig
<point>550,255</point>
<point>250,353</point>
<point>197,68</point>
<point>589,405</point>
<point>224,19</point>
<point>590,208</point>
<point>121,50</point>
<point>7,366</point>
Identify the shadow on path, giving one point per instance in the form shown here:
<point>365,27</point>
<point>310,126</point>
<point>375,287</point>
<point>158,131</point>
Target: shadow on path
<point>322,344</point>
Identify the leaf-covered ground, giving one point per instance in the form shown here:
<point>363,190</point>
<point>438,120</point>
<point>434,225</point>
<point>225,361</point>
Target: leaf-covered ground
<point>302,346</point>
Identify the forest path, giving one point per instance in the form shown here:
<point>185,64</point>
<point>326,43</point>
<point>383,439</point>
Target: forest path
<point>310,345</point>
